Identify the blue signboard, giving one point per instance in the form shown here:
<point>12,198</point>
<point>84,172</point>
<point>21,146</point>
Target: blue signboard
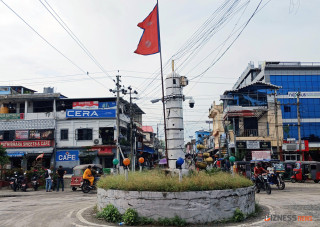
<point>107,105</point>
<point>67,156</point>
<point>16,154</point>
<point>107,113</point>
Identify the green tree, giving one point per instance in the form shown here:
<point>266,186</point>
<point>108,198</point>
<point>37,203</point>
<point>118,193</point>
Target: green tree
<point>4,158</point>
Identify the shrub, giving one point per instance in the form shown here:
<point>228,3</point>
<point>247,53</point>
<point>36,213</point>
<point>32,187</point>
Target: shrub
<point>158,181</point>
<point>110,213</point>
<point>145,221</point>
<point>238,216</point>
<point>175,221</point>
<point>130,217</point>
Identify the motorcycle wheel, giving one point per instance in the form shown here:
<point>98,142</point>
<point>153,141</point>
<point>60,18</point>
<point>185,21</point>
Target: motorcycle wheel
<point>85,188</point>
<point>316,181</point>
<point>14,187</point>
<point>282,185</point>
<point>24,189</point>
<point>35,187</point>
<point>268,188</point>
<point>293,180</point>
<point>74,189</point>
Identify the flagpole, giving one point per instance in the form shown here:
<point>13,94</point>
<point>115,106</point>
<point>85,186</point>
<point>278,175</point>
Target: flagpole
<point>163,103</point>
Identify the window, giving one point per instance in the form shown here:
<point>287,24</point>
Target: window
<point>287,108</point>
<point>64,134</point>
<point>174,81</point>
<point>84,134</point>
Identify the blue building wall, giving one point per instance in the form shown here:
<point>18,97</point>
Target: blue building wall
<point>200,136</point>
<point>309,107</point>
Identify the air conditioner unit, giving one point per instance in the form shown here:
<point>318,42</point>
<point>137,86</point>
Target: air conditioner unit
<point>97,141</point>
<point>290,146</point>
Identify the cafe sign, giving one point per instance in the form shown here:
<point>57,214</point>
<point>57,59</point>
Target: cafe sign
<point>30,143</point>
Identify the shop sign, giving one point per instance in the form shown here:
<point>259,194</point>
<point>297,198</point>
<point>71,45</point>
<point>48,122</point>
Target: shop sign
<point>265,145</point>
<point>85,105</point>
<point>261,155</point>
<point>107,113</point>
<point>107,105</point>
<point>67,156</point>
<point>16,154</point>
<point>241,145</point>
<point>303,94</point>
<point>8,116</point>
<point>253,144</point>
<point>22,134</point>
<point>30,143</point>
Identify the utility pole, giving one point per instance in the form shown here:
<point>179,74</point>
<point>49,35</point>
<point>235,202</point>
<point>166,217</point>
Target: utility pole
<point>276,121</point>
<point>118,118</point>
<point>299,125</point>
<point>131,128</point>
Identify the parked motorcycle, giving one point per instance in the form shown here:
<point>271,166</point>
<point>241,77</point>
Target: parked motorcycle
<point>276,179</point>
<point>261,183</point>
<point>35,182</point>
<point>18,182</point>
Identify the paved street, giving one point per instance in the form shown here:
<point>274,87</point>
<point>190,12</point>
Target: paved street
<point>67,208</point>
<point>302,199</point>
<point>39,209</point>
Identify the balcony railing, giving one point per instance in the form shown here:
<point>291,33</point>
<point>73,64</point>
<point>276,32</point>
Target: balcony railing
<point>252,133</point>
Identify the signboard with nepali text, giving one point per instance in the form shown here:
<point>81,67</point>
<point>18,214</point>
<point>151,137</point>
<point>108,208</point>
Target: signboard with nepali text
<point>30,143</point>
<point>8,116</point>
<point>85,105</point>
<point>261,155</point>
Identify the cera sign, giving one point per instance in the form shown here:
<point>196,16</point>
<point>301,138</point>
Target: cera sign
<point>67,156</point>
<point>30,143</point>
<point>107,113</point>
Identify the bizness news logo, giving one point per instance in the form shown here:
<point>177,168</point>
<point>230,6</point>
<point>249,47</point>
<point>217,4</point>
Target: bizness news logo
<point>287,217</point>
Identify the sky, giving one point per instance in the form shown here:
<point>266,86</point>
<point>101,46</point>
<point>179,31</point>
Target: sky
<point>43,54</point>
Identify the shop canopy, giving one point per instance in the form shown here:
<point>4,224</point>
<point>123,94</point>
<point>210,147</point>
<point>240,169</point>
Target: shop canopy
<point>148,149</point>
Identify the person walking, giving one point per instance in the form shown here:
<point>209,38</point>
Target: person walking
<point>47,176</point>
<point>60,172</point>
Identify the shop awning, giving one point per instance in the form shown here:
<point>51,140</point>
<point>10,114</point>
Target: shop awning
<point>105,151</point>
<point>148,149</point>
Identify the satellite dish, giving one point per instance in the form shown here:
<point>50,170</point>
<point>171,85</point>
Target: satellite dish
<point>96,141</point>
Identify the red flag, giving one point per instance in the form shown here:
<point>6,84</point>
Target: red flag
<point>149,42</point>
<point>40,156</point>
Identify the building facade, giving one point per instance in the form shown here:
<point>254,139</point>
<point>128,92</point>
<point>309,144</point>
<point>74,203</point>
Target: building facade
<point>67,131</point>
<point>295,79</point>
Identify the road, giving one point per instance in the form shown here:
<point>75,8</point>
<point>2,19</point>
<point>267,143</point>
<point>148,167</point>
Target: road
<point>62,209</point>
<point>41,208</point>
<point>301,199</point>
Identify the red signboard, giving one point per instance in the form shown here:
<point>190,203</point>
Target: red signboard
<point>30,143</point>
<point>86,105</point>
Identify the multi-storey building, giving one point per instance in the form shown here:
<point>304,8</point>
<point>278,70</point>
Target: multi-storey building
<point>294,79</point>
<point>67,131</point>
<point>249,122</point>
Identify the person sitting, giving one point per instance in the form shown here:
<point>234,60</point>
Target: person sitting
<point>258,170</point>
<point>88,175</point>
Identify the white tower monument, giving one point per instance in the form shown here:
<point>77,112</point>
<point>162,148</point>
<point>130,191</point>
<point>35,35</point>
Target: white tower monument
<point>174,117</point>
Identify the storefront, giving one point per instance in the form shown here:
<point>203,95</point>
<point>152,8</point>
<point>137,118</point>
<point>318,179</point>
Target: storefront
<point>250,149</point>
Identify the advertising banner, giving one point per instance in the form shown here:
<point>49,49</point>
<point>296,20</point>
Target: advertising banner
<point>261,155</point>
<point>62,156</point>
<point>108,113</point>
<point>22,135</point>
<point>30,143</point>
<point>107,105</point>
<point>85,105</point>
<point>43,134</point>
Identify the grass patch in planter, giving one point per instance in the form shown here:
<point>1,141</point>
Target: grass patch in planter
<point>158,181</point>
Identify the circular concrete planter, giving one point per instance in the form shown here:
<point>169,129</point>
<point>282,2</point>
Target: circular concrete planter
<point>194,207</point>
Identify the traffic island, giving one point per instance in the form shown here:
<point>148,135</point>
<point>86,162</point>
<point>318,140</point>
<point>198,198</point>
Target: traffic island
<point>199,198</point>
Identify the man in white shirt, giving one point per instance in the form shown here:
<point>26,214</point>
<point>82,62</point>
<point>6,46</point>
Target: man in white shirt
<point>47,176</point>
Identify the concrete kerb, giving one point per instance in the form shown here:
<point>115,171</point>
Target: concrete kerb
<point>84,221</point>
